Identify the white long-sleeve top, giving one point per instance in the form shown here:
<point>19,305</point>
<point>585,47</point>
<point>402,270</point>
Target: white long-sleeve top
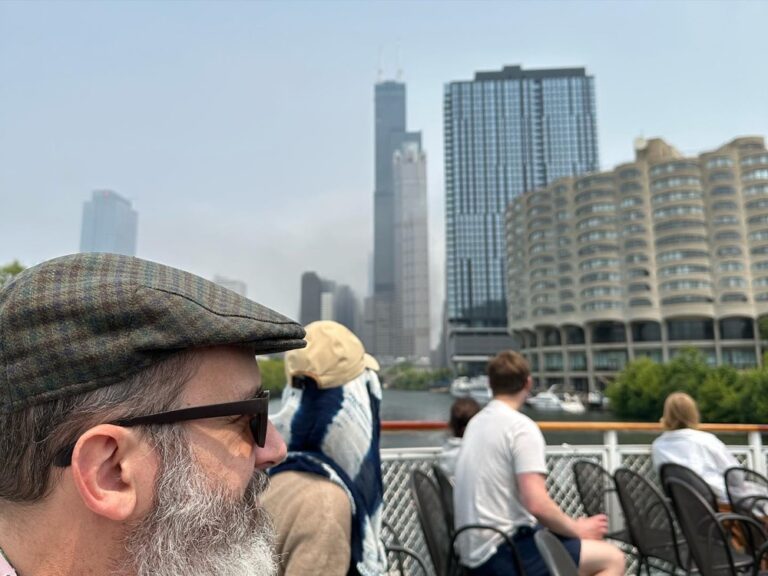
<point>702,452</point>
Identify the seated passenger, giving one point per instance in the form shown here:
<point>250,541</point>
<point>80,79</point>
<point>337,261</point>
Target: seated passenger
<point>326,497</point>
<point>500,481</point>
<point>461,411</point>
<point>683,444</point>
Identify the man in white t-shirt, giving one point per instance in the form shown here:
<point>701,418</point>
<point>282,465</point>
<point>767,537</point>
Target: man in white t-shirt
<point>500,481</point>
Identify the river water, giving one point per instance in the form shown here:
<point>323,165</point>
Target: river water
<point>422,405</point>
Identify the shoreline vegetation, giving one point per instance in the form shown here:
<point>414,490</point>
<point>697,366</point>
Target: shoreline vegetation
<point>723,393</point>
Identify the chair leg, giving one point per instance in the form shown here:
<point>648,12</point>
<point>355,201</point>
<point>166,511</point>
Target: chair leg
<point>640,560</point>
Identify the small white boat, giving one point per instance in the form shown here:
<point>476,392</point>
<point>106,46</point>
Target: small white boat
<point>551,401</point>
<point>476,388</point>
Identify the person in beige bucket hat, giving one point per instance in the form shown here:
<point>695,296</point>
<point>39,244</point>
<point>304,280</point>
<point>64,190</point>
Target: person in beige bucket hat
<point>326,496</point>
<point>333,356</point>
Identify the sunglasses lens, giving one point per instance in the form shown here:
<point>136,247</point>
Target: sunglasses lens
<point>259,429</point>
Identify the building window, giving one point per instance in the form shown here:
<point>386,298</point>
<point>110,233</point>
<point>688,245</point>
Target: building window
<point>719,162</point>
<point>686,299</point>
<point>739,357</point>
<point>640,302</point>
<point>646,332</point>
<point>608,332</point>
<point>553,362</point>
<point>737,328</point>
<point>609,360</point>
<point>692,329</point>
<point>574,335</point>
<point>733,297</point>
<point>577,361</point>
<point>683,269</point>
<point>673,255</point>
<point>729,251</point>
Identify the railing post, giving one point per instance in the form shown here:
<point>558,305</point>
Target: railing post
<point>610,439</point>
<point>756,447</point>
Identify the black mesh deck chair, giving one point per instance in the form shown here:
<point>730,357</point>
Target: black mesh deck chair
<point>747,492</point>
<point>595,486</point>
<point>445,485</point>
<point>709,534</point>
<point>398,556</point>
<point>694,481</point>
<point>556,557</point>
<point>650,523</point>
<point>439,536</point>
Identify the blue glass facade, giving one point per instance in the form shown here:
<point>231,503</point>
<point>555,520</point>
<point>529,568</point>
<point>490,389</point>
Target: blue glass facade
<point>506,133</point>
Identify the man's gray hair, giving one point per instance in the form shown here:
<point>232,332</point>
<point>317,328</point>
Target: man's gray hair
<point>32,437</point>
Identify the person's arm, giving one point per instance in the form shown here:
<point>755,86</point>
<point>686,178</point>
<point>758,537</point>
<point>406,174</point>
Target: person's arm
<point>536,499</point>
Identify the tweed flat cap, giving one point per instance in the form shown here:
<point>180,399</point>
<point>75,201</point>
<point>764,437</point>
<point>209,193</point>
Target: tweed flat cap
<point>84,321</point>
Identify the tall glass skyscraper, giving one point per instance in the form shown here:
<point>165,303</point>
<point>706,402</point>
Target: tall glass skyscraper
<point>109,224</point>
<point>382,329</point>
<point>506,133</point>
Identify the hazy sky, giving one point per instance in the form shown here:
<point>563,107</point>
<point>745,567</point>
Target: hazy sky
<point>243,131</point>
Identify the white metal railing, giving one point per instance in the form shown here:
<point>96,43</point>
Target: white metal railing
<point>398,464</point>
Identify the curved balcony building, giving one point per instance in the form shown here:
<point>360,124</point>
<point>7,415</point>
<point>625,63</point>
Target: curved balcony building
<point>657,255</point>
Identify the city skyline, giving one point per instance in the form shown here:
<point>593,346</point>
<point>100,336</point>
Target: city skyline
<point>242,133</point>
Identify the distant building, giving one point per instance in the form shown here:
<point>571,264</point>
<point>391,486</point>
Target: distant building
<point>382,333</point>
<point>311,293</point>
<point>506,132</point>
<point>109,224</point>
<point>325,300</point>
<point>659,254</point>
<point>237,286</point>
<point>412,330</point>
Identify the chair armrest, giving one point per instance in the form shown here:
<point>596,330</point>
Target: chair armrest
<point>732,516</point>
<point>748,502</point>
<point>507,538</point>
<point>408,552</point>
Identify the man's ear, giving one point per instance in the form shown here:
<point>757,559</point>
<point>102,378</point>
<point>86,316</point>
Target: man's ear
<point>108,466</point>
<point>529,383</point>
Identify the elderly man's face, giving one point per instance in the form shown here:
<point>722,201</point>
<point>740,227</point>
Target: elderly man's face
<point>206,518</point>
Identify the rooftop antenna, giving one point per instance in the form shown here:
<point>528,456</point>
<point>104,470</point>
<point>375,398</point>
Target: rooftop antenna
<point>379,70</point>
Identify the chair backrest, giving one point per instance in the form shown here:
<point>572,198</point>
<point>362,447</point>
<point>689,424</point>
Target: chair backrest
<point>592,483</point>
<point>745,485</point>
<point>446,493</point>
<point>696,482</point>
<point>707,540</point>
<point>556,557</point>
<point>648,517</point>
<point>429,509</point>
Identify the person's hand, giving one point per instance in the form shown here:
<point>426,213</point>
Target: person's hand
<point>592,528</point>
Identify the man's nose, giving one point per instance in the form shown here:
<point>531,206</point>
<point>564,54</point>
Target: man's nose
<point>274,450</point>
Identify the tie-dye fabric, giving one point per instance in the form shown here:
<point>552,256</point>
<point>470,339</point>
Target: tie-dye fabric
<point>335,433</point>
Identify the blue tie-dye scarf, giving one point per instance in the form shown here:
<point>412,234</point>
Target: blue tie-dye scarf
<point>334,433</point>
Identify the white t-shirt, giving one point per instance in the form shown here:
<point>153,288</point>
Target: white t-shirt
<point>449,454</point>
<point>499,444</point>
<point>700,451</point>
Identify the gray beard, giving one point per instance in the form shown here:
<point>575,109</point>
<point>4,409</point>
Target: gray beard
<point>198,528</point>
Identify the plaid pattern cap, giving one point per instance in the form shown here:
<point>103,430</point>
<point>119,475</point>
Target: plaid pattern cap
<point>80,322</point>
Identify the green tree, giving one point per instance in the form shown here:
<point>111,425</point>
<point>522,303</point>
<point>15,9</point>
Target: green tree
<point>638,390</point>
<point>9,271</point>
<point>272,375</point>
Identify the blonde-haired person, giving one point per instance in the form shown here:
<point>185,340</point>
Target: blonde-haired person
<point>682,443</point>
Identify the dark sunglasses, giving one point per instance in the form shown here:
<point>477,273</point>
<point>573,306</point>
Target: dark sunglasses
<point>257,409</point>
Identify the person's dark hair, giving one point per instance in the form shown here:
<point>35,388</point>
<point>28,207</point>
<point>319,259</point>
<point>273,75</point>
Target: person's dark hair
<point>33,436</point>
<point>462,411</point>
<point>508,372</point>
